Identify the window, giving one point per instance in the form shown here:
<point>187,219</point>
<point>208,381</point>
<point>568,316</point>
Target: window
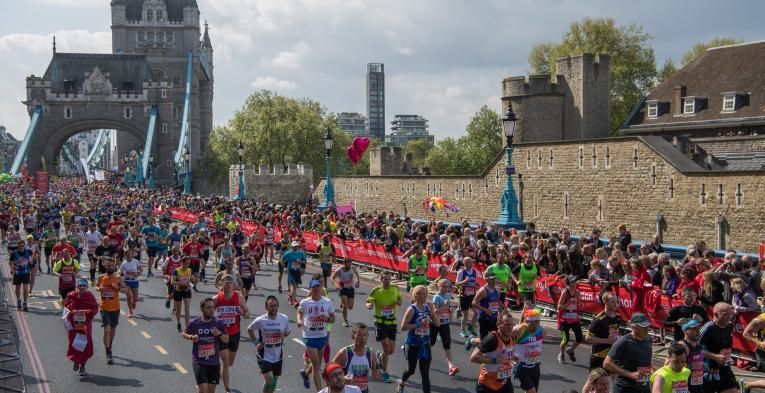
<point>164,93</point>
<point>164,128</point>
<point>729,103</point>
<point>689,105</point>
<point>128,113</point>
<point>566,203</point>
<point>149,15</point>
<point>160,16</point>
<point>176,80</point>
<point>67,112</point>
<point>653,110</point>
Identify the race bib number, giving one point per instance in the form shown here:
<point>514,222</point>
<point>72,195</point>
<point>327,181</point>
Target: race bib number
<point>183,279</point>
<point>246,273</point>
<point>79,318</point>
<point>131,275</point>
<point>316,324</point>
<point>444,315</point>
<point>533,358</point>
<point>680,387</point>
<point>468,290</point>
<point>645,375</point>
<point>423,330</point>
<point>697,377</point>
<point>613,332</point>
<point>272,338</point>
<point>570,315</point>
<point>66,279</point>
<point>205,350</point>
<point>506,372</point>
<point>228,321</point>
<point>107,293</point>
<point>726,352</point>
<point>347,283</point>
<point>388,311</point>
<point>494,307</point>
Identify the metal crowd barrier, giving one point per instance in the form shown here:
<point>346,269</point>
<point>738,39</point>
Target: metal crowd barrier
<point>11,367</point>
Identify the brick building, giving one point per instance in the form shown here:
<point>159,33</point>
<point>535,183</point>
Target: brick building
<point>688,187</point>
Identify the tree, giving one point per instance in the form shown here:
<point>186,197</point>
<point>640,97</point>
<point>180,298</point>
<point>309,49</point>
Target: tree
<point>633,67</point>
<point>276,130</point>
<point>700,48</point>
<point>666,70</point>
<point>420,148</point>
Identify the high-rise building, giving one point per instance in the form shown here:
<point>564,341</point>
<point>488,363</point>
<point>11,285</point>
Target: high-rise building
<point>406,128</point>
<point>353,123</point>
<point>376,100</point>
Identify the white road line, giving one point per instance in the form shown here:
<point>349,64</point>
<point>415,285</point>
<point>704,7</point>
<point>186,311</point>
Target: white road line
<point>180,368</point>
<point>299,341</point>
<point>160,349</point>
<point>145,335</point>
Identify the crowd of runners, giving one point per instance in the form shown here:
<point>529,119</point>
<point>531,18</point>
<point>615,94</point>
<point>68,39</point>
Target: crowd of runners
<point>113,228</point>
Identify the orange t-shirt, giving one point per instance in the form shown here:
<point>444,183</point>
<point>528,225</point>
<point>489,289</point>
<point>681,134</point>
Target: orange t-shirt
<point>110,296</point>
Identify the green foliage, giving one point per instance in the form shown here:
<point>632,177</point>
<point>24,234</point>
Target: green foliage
<point>666,70</point>
<point>362,168</point>
<point>699,48</point>
<point>633,67</point>
<point>420,148</point>
<point>276,130</point>
<point>472,153</point>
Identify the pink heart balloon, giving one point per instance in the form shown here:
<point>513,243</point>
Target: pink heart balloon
<point>363,145</point>
<point>353,154</point>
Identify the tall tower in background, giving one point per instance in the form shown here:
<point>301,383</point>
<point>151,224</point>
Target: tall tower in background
<point>376,100</point>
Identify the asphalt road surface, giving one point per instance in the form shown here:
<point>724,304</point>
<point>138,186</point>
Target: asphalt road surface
<point>150,356</point>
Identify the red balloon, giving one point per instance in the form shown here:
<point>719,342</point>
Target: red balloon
<point>353,155</point>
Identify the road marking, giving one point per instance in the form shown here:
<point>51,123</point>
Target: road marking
<point>50,293</point>
<point>299,341</point>
<point>122,312</point>
<point>56,304</point>
<point>180,368</point>
<point>145,335</point>
<point>304,290</point>
<point>132,322</point>
<point>161,350</point>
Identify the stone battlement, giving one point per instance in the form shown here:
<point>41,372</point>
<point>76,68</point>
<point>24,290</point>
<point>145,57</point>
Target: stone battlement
<point>272,184</point>
<point>276,170</point>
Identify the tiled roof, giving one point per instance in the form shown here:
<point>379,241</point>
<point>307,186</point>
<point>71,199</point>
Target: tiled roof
<point>73,66</point>
<point>749,161</point>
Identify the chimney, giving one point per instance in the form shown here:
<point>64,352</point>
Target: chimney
<point>677,102</point>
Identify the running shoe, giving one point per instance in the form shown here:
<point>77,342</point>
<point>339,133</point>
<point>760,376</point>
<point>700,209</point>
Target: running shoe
<point>167,303</point>
<point>463,333</point>
<point>179,327</point>
<point>109,359</point>
<point>561,359</point>
<point>76,367</point>
<point>346,324</point>
<point>280,289</point>
<point>453,370</point>
<point>130,314</point>
<point>18,304</point>
<point>379,361</point>
<point>399,386</point>
<point>386,378</point>
<point>150,274</point>
<point>472,330</point>
<point>469,343</point>
<point>742,384</point>
<point>25,307</point>
<point>82,372</point>
<point>306,381</point>
<point>571,354</point>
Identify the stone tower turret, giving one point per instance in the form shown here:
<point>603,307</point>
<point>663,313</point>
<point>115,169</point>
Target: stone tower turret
<point>119,16</point>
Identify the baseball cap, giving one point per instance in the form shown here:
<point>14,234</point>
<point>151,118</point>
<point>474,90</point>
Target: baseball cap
<point>314,283</point>
<point>571,278</point>
<point>640,319</point>
<point>691,324</point>
<point>489,274</point>
<point>295,244</point>
<point>332,367</point>
<point>82,283</point>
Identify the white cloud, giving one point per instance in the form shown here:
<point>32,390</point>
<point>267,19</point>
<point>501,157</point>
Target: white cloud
<point>290,59</point>
<point>71,3</point>
<point>271,83</point>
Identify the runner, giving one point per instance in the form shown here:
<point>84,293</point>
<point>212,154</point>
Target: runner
<point>326,252</point>
<point>716,342</point>
<point>673,377</point>
<point>193,249</point>
<point>109,285</point>
<point>207,334</point>
<point>695,359</point>
<point>466,282</point>
<point>496,356</point>
<point>417,322</point>
<point>313,315</point>
<point>357,359</point>
<point>294,261</point>
<point>80,309</point>
<point>343,279</point>
<point>229,270</point>
<point>151,233</point>
<point>487,302</point>
<point>335,378</point>
<point>93,239</point>
<point>501,272</point>
<point>66,269</point>
<point>418,267</point>
<point>34,262</point>
<point>284,246</point>
<point>569,319</point>
<point>223,253</point>
<point>529,350</point>
<point>384,298</point>
<point>442,308</point>
<point>168,269</point>
<point>104,252</point>
<point>689,309</point>
<point>603,331</point>
<point>268,247</point>
<point>130,270</point>
<point>230,306</point>
<point>181,281</point>
<point>49,237</point>
<point>246,271</point>
<point>630,358</point>
<point>271,327</point>
<point>525,276</point>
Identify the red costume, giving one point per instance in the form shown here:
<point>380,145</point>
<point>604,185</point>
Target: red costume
<point>82,309</point>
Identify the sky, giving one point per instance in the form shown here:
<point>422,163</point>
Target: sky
<point>444,59</point>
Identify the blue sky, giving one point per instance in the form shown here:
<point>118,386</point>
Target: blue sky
<point>444,59</point>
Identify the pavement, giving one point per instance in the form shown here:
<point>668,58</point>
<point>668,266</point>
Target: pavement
<point>150,356</point>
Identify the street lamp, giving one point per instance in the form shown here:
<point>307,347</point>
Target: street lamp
<point>508,216</point>
<point>187,179</point>
<point>240,151</point>
<point>151,171</point>
<point>329,190</point>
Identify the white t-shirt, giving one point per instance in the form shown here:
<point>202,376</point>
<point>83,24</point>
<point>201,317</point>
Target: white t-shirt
<point>312,309</point>
<point>270,332</point>
<point>130,270</point>
<point>348,389</point>
<point>93,239</point>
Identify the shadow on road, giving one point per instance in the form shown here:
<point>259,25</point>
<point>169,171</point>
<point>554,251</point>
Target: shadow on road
<point>142,365</point>
<point>105,380</point>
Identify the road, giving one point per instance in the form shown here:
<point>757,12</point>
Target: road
<point>150,356</point>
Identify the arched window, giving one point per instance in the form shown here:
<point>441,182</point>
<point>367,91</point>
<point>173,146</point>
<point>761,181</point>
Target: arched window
<point>149,15</point>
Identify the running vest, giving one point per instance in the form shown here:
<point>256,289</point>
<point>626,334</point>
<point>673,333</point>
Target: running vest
<point>419,335</point>
<point>674,382</point>
<point>491,301</point>
<point>110,296</point>
<point>67,275</point>
<point>227,310</point>
<point>530,348</point>
<point>414,263</point>
<point>358,367</point>
<point>172,264</point>
<point>346,278</point>
<point>570,311</point>
<point>502,273</point>
<point>696,365</point>
<point>495,376</point>
<point>527,278</point>
<point>468,288</point>
<point>325,253</point>
<point>245,267</point>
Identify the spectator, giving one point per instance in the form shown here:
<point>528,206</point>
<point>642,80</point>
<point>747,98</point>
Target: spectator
<point>669,280</point>
<point>625,237</point>
<point>712,291</point>
<point>655,245</point>
<point>688,280</point>
<point>744,299</point>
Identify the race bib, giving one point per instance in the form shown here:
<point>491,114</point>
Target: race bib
<point>228,321</point>
<point>347,283</point>
<point>360,381</point>
<point>66,278</point>
<point>272,338</point>
<point>316,324</point>
<point>468,290</point>
<point>505,372</point>
<point>245,273</point>
<point>388,311</point>
<point>205,350</point>
<point>645,375</point>
<point>183,279</point>
<point>533,358</point>
<point>131,275</point>
<point>444,315</point>
<point>107,293</point>
<point>697,377</point>
<point>494,307</point>
<point>79,318</point>
<point>680,387</point>
<point>613,332</point>
<point>423,330</point>
<point>570,315</point>
<point>727,353</point>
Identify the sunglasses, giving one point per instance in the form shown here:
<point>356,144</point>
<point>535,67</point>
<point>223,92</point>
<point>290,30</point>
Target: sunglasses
<point>82,286</point>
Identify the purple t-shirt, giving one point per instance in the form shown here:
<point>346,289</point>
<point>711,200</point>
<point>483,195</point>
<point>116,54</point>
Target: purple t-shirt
<point>206,351</point>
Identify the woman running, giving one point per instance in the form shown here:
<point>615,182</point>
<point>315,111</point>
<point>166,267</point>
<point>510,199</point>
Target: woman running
<point>416,322</point>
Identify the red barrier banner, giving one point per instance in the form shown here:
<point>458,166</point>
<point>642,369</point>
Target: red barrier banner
<point>41,182</point>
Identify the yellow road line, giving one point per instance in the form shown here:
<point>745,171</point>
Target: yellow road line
<point>132,322</point>
<point>144,334</point>
<point>56,304</point>
<point>180,368</point>
<point>161,350</point>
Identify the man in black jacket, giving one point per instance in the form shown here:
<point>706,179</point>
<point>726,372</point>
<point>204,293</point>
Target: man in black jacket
<point>678,315</point>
